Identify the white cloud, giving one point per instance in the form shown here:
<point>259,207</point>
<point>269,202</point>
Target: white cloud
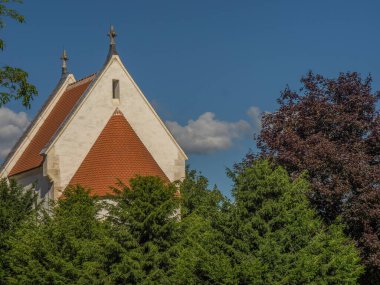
<point>255,114</point>
<point>207,134</point>
<point>12,126</point>
<point>203,135</point>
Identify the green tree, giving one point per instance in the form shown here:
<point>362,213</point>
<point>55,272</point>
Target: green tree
<point>14,83</point>
<point>199,257</point>
<point>69,246</point>
<point>202,254</point>
<point>144,217</point>
<point>169,246</point>
<point>16,205</point>
<point>282,236</point>
<point>331,129</point>
<point>196,198</point>
<point>269,235</point>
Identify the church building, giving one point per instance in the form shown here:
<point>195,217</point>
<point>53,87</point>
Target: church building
<point>92,132</point>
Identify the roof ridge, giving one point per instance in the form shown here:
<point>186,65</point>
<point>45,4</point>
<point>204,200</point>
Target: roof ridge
<point>117,112</point>
<point>81,81</point>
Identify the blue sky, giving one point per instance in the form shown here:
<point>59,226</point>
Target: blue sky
<point>192,58</point>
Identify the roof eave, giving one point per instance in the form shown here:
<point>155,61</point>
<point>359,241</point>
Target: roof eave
<point>64,78</point>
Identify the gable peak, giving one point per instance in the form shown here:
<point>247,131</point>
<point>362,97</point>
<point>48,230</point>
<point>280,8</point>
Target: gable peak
<point>117,112</point>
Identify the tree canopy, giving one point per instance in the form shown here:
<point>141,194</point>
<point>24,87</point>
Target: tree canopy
<point>16,206</point>
<point>148,234</point>
<point>289,242</point>
<point>330,129</point>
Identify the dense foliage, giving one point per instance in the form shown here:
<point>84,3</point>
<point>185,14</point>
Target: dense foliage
<point>16,206</point>
<point>68,246</point>
<point>331,130</point>
<point>149,234</point>
<point>289,242</point>
<point>14,83</point>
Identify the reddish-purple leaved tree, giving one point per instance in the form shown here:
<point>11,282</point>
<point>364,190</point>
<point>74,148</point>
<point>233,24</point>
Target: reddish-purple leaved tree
<point>331,129</point>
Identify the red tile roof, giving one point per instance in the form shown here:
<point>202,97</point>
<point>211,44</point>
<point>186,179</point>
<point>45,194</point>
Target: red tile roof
<point>118,153</point>
<point>31,157</point>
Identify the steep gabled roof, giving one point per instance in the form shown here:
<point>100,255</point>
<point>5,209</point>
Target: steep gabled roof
<point>111,52</point>
<point>34,121</point>
<point>118,153</point>
<point>48,128</point>
<point>112,55</point>
<point>31,157</point>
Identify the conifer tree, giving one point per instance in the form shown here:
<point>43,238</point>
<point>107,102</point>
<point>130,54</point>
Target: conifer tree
<point>269,235</point>
<point>283,239</point>
<point>69,246</point>
<point>148,211</point>
<point>202,255</point>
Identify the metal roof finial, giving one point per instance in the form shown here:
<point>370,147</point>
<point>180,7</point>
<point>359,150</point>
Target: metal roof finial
<point>64,59</point>
<point>112,35</point>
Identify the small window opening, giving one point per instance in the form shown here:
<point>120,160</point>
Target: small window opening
<point>115,89</point>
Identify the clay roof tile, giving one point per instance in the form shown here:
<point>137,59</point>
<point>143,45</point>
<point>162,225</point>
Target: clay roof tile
<point>118,153</point>
<point>31,157</point>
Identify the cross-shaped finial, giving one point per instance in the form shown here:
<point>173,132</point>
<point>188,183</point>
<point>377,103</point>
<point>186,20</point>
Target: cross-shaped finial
<point>64,59</point>
<point>112,35</point>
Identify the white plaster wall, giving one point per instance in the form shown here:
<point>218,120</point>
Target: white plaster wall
<point>75,140</point>
<point>35,178</point>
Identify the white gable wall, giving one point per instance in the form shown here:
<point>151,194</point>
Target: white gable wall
<point>68,150</point>
<point>34,179</point>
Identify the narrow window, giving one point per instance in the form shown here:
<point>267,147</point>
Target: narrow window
<point>115,89</point>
